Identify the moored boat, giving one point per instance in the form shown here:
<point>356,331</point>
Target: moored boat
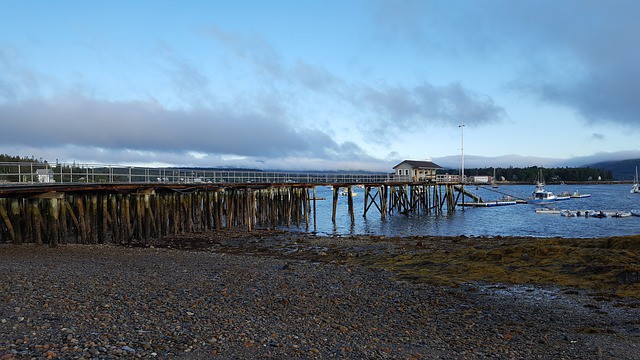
<point>547,211</point>
<point>540,195</point>
<point>635,189</point>
<point>563,196</point>
<point>576,195</point>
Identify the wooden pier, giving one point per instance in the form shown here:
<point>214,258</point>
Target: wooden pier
<point>136,213</point>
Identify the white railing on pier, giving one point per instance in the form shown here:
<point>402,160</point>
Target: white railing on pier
<point>32,173</point>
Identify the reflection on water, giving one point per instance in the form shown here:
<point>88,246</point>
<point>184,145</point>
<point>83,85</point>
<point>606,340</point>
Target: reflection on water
<point>515,220</point>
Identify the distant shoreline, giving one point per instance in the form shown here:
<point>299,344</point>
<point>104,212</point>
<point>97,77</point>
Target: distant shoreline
<point>611,182</point>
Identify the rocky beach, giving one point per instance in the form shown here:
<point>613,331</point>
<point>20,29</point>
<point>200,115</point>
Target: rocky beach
<point>270,294</point>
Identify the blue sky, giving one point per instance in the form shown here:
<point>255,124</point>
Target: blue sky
<point>294,85</point>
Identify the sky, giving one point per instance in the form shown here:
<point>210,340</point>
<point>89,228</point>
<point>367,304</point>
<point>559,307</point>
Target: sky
<point>322,85</point>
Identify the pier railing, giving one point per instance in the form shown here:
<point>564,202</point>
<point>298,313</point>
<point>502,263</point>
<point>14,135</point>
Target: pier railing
<point>32,173</point>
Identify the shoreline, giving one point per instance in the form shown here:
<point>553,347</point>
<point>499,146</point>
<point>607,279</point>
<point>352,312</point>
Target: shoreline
<point>283,295</point>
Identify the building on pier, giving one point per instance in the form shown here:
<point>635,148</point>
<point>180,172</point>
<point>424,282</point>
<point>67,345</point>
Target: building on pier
<point>417,170</point>
<point>45,175</point>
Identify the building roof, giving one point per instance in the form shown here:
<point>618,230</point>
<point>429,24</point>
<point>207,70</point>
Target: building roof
<point>418,164</point>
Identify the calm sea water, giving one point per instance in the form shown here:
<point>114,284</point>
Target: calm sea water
<point>514,220</point>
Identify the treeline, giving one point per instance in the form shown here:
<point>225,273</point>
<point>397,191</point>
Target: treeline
<point>530,174</point>
<point>24,169</point>
<point>11,158</point>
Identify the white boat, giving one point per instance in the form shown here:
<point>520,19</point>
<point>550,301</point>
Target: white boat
<point>540,195</point>
<point>635,189</point>
<point>563,196</point>
<point>635,212</point>
<point>577,194</point>
<point>547,211</point>
<point>569,213</point>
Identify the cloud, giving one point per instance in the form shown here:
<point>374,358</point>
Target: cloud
<point>390,108</point>
<point>473,161</point>
<point>404,107</point>
<point>16,81</point>
<point>254,49</point>
<point>74,119</point>
<point>584,55</point>
<point>588,58</point>
<point>402,19</point>
<point>253,130</point>
<point>187,81</point>
<point>315,78</point>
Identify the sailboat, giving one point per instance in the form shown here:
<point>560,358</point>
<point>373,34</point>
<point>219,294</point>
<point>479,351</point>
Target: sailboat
<point>494,183</point>
<point>635,189</point>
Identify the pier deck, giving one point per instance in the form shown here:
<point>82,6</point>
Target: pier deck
<point>136,212</point>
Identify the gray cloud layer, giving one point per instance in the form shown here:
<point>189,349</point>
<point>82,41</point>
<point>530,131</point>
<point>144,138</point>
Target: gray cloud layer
<point>76,119</point>
<point>451,104</point>
<point>576,53</point>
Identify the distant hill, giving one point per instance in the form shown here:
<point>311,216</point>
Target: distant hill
<point>621,169</point>
<point>197,168</point>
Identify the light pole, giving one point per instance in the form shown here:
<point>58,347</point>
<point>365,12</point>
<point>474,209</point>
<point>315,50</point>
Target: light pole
<point>462,164</point>
<point>462,154</point>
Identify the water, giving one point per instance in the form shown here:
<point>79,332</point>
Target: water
<point>514,220</point>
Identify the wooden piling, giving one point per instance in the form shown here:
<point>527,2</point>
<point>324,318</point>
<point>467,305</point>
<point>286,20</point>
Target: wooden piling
<point>315,197</point>
<point>335,203</point>
<point>7,220</point>
<point>16,221</point>
<point>350,203</point>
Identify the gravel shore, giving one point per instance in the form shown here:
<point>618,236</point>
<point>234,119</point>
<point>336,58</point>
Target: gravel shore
<point>104,301</point>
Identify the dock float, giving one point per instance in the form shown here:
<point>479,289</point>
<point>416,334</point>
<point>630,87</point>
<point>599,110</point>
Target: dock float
<point>489,203</point>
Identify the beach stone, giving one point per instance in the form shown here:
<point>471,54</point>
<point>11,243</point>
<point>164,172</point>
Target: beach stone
<point>247,307</point>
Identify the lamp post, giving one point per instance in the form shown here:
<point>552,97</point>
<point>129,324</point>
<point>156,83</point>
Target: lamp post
<point>462,154</point>
<point>462,164</point>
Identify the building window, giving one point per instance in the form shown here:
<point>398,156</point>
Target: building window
<point>406,171</point>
